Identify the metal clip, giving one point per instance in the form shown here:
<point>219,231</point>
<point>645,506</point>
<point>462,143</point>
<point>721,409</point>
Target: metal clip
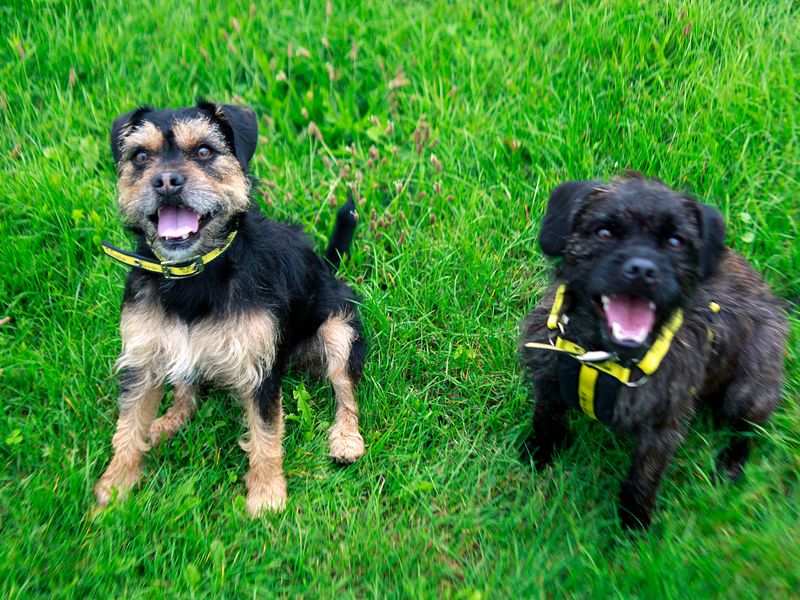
<point>596,356</point>
<point>638,382</point>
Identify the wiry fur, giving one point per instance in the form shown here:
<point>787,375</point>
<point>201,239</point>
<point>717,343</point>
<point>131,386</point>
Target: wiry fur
<point>181,411</point>
<point>730,361</point>
<point>237,323</point>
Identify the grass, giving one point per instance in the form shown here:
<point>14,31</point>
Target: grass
<point>515,97</point>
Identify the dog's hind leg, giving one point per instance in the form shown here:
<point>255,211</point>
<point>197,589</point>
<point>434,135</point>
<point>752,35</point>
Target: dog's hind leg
<point>750,399</point>
<point>138,404</point>
<point>344,349</point>
<point>266,484</point>
<point>182,411</point>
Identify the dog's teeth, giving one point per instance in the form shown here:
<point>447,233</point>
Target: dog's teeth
<point>606,301</point>
<point>619,335</point>
<point>652,306</point>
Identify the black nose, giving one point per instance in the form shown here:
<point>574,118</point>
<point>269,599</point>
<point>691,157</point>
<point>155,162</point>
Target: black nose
<point>641,269</point>
<point>168,184</point>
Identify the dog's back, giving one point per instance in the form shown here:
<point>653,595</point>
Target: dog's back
<point>747,333</point>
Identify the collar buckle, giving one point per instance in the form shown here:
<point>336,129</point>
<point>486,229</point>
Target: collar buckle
<point>196,263</point>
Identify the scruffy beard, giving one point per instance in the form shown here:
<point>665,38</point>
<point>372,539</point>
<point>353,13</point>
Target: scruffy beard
<point>211,233</point>
<point>180,230</point>
<point>188,224</point>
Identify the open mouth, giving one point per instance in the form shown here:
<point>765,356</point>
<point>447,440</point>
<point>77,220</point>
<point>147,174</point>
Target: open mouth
<point>630,319</point>
<point>177,224</point>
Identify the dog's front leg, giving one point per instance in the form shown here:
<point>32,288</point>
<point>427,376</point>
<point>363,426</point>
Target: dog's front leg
<point>653,453</point>
<point>138,404</point>
<point>550,431</point>
<point>266,484</point>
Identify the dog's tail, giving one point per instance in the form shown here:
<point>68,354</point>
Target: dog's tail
<point>342,236</point>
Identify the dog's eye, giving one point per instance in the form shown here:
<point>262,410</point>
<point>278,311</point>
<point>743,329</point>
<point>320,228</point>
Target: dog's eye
<point>604,233</point>
<point>203,152</point>
<point>674,241</point>
<point>141,157</point>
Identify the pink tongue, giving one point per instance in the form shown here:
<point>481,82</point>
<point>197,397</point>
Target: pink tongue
<point>630,319</point>
<point>176,221</point>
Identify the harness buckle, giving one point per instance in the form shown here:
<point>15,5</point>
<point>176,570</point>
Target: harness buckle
<point>596,356</point>
<point>196,262</point>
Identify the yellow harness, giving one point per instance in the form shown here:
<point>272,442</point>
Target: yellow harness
<point>169,268</point>
<point>592,364</point>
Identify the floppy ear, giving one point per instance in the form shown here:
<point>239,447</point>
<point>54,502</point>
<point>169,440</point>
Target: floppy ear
<point>240,126</point>
<point>562,207</point>
<point>713,236</point>
<point>122,125</point>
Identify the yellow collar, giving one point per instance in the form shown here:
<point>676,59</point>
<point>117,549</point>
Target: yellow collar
<point>604,361</point>
<point>168,268</point>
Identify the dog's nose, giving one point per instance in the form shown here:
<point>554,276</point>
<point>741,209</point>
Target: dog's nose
<point>168,183</point>
<point>641,269</point>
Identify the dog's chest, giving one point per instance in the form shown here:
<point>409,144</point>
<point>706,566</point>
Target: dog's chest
<point>232,351</point>
<point>603,397</point>
<point>586,389</point>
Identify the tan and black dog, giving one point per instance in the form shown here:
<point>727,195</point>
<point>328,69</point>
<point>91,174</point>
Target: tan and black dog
<point>219,294</point>
<point>650,318</point>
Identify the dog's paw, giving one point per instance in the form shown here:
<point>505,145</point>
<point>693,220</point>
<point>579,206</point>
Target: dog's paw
<point>635,513</point>
<point>103,494</point>
<point>270,496</point>
<point>727,471</point>
<point>115,483</point>
<point>534,451</point>
<point>731,461</point>
<point>633,520</point>
<point>346,445</point>
<point>162,430</point>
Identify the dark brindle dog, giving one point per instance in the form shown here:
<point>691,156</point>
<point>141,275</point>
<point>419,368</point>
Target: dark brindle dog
<point>220,294</point>
<point>651,318</point>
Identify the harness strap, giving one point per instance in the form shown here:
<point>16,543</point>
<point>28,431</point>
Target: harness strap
<point>555,312</point>
<point>652,360</point>
<point>169,269</point>
<point>614,369</point>
<point>587,381</point>
<point>589,387</point>
<point>648,364</point>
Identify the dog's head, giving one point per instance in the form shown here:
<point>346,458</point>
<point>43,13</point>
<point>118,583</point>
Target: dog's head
<point>633,249</point>
<point>182,174</point>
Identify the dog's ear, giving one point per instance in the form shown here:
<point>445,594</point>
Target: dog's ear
<point>245,131</point>
<point>122,126</point>
<point>713,236</point>
<point>240,127</point>
<point>562,208</point>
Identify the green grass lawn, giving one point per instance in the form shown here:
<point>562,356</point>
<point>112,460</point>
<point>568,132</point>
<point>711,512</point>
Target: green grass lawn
<point>507,100</point>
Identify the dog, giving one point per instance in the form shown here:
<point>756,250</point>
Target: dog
<point>651,317</point>
<point>218,294</point>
